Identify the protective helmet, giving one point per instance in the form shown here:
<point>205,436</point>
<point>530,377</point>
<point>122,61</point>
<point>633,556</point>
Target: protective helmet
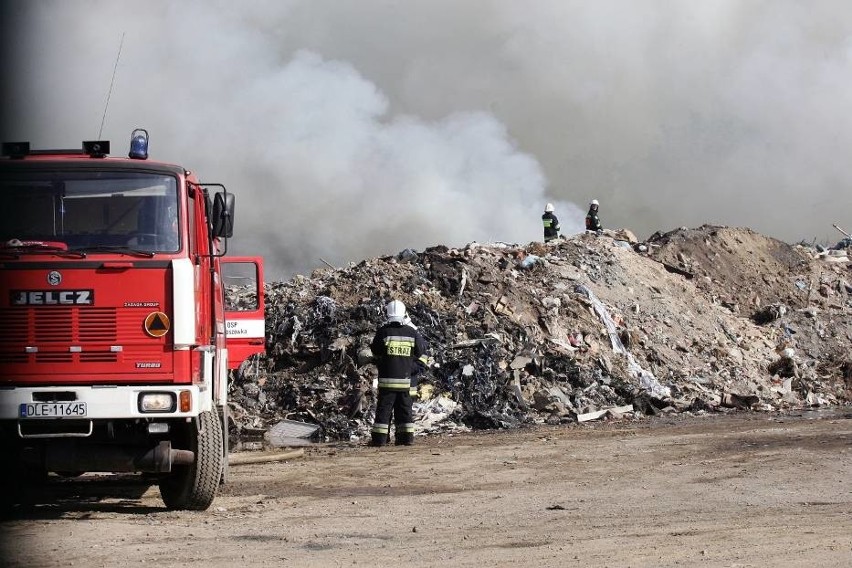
<point>594,202</point>
<point>548,208</point>
<point>395,311</point>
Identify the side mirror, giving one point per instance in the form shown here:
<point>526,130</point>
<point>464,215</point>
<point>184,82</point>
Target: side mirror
<point>223,214</point>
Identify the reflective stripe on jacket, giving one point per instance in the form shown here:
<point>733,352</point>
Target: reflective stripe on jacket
<point>398,350</point>
<point>551,226</point>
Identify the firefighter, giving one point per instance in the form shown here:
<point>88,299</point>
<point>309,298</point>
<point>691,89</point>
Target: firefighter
<point>551,223</point>
<point>398,349</point>
<point>593,222</point>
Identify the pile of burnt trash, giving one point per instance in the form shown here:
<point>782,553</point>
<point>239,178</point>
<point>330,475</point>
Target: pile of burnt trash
<point>582,328</point>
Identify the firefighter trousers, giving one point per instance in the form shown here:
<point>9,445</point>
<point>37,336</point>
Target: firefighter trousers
<point>397,402</point>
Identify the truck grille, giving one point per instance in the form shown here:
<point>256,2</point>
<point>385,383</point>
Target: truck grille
<point>54,330</point>
<point>53,326</point>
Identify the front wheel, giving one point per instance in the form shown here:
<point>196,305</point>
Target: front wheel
<point>193,487</point>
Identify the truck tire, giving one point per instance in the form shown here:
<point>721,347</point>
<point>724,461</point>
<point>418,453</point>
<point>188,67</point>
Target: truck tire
<point>193,487</point>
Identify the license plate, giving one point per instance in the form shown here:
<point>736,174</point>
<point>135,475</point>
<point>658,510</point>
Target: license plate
<point>53,410</point>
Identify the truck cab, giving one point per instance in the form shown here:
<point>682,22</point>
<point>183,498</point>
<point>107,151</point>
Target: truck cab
<point>114,350</point>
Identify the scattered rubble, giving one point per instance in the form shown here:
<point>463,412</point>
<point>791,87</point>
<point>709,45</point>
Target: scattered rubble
<point>694,320</point>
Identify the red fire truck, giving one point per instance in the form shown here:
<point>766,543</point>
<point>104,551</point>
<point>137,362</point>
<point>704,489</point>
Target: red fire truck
<point>114,331</point>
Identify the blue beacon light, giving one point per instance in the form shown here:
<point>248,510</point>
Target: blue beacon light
<point>139,144</point>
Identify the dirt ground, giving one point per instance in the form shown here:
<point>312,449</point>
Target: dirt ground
<point>744,490</point>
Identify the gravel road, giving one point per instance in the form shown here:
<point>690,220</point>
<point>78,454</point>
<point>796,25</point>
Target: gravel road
<point>744,490</point>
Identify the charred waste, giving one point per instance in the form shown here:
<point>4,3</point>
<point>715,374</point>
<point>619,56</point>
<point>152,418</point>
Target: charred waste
<point>694,320</point>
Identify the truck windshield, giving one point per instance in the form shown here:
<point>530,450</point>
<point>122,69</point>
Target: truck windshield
<point>91,210</point>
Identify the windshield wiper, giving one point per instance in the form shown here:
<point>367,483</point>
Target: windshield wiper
<point>17,253</point>
<point>118,249</point>
<point>15,248</point>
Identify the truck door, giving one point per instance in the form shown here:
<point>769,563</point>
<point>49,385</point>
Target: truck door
<point>245,324</point>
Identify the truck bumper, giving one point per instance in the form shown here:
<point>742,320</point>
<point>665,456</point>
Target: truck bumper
<point>100,402</point>
<point>106,429</point>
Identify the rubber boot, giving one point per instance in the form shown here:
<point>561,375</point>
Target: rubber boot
<point>405,439</point>
<point>379,440</point>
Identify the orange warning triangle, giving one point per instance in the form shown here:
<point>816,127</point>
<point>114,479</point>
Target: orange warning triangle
<point>157,324</point>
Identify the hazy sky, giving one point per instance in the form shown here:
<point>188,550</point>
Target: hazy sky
<point>351,129</point>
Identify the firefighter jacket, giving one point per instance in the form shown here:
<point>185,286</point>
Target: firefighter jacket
<point>398,350</point>
<point>551,226</point>
<point>593,222</point>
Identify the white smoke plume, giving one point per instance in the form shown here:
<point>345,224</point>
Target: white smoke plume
<point>351,129</point>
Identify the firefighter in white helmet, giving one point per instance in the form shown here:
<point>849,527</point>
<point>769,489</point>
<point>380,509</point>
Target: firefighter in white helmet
<point>398,348</point>
<point>551,223</point>
<point>593,222</point>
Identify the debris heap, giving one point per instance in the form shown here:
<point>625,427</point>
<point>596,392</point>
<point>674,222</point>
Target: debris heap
<point>591,326</point>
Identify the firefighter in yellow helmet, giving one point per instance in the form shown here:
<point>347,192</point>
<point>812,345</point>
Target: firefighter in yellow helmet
<point>551,223</point>
<point>398,349</point>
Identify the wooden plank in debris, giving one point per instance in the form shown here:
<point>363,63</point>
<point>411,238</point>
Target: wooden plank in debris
<point>253,457</point>
<point>617,410</point>
<point>473,342</point>
<point>565,346</point>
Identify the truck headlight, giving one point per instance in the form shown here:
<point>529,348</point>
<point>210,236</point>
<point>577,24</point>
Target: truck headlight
<point>156,402</point>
